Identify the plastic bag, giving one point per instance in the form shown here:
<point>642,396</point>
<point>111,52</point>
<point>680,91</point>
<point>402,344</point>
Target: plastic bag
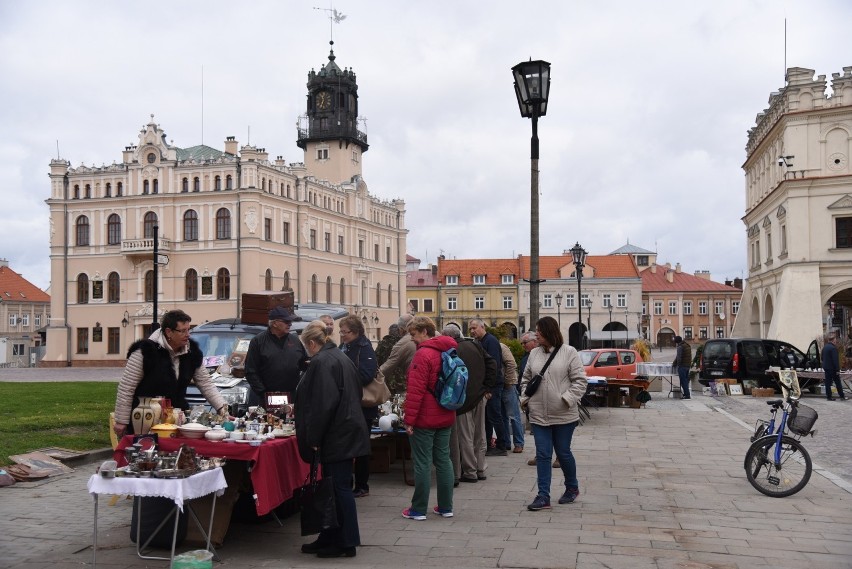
<point>198,559</point>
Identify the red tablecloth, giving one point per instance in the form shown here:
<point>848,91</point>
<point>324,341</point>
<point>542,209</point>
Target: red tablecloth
<point>276,472</point>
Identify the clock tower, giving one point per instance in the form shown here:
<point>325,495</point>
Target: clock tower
<point>328,132</point>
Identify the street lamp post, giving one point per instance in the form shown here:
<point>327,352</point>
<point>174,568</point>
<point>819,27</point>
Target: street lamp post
<point>589,322</point>
<point>579,255</point>
<point>610,326</point>
<point>532,88</point>
<point>626,329</point>
<point>558,308</point>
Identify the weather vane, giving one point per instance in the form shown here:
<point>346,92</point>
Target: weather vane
<point>334,17</point>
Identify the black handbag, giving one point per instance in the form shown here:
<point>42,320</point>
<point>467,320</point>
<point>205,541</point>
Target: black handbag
<point>534,383</point>
<point>317,503</point>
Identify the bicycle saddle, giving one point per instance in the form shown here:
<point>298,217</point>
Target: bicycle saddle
<point>776,403</point>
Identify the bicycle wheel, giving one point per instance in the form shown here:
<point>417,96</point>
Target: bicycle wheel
<point>778,480</point>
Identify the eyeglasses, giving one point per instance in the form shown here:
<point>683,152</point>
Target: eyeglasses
<point>181,330</point>
<point>344,332</point>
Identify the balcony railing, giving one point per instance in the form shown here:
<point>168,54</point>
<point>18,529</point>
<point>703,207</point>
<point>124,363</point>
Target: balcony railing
<point>142,246</point>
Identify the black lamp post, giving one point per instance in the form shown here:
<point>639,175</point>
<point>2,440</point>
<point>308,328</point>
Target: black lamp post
<point>126,320</point>
<point>579,255</point>
<point>558,307</point>
<point>626,329</point>
<point>610,325</point>
<point>589,322</point>
<point>532,87</point>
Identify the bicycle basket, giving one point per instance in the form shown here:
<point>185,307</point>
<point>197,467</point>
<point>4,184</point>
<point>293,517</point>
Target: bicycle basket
<point>802,419</point>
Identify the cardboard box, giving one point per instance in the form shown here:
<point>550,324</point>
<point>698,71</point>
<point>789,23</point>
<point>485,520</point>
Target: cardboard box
<point>762,392</point>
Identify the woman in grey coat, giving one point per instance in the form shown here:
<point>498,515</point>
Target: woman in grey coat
<point>554,409</point>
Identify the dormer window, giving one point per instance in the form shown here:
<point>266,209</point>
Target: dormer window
<point>452,280</point>
<point>508,279</point>
<point>478,279</point>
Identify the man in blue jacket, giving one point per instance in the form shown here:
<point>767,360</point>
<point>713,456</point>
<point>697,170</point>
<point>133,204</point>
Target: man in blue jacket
<point>494,406</point>
<point>831,365</point>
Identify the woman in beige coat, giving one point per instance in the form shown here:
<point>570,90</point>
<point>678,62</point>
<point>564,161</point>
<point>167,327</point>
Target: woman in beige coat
<point>554,409</point>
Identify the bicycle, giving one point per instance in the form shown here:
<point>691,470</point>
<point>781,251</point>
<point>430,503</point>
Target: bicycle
<point>776,463</point>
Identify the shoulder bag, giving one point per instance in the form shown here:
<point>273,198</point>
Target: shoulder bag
<point>535,382</point>
<point>376,392</point>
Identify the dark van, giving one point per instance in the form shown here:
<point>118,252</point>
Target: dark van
<point>749,358</point>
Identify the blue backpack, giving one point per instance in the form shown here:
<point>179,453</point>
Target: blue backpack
<point>451,387</point>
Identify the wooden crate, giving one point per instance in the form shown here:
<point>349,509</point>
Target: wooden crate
<point>256,305</point>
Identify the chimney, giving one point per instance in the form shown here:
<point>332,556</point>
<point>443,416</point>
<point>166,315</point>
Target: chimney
<point>670,276</point>
<point>654,268</point>
<point>4,262</point>
<point>738,283</point>
<point>677,268</point>
<point>434,269</point>
<point>231,145</point>
<point>668,265</point>
<point>703,275</point>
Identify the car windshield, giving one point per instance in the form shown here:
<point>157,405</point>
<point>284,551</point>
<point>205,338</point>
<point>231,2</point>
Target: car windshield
<point>587,357</point>
<point>219,345</point>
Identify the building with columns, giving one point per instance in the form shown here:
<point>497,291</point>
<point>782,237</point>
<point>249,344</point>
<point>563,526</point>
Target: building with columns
<point>798,213</point>
<point>225,222</point>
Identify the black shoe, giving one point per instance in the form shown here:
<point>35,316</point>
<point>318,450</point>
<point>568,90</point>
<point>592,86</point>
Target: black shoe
<point>830,399</point>
<point>496,452</point>
<point>569,496</point>
<point>843,398</point>
<point>481,477</point>
<point>336,551</point>
<point>360,493</point>
<point>456,484</point>
<point>466,479</point>
<point>687,397</point>
<point>314,547</point>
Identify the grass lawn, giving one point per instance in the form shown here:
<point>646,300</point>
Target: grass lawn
<point>65,414</point>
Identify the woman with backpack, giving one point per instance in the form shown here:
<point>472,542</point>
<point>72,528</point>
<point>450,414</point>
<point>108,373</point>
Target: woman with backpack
<point>427,423</point>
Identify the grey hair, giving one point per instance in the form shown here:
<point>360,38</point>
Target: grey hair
<point>452,331</point>
<point>529,336</point>
<point>478,322</point>
<point>404,320</point>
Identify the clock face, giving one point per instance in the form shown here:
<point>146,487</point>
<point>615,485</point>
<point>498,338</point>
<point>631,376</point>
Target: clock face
<point>323,100</point>
<point>152,158</point>
<point>837,161</point>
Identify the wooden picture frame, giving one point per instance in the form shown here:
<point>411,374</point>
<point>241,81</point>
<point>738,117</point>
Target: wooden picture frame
<point>735,389</point>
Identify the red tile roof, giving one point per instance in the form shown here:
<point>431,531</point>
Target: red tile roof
<point>681,282</point>
<point>465,269</point>
<point>15,288</point>
<point>597,266</point>
<point>421,278</point>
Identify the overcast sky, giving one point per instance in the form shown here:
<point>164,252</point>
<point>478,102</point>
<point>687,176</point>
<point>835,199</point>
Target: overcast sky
<point>643,139</point>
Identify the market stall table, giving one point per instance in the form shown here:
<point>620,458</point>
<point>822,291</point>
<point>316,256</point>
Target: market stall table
<point>665,372</point>
<point>816,378</point>
<point>275,466</point>
<point>179,490</point>
<point>634,387</point>
<point>400,446</point>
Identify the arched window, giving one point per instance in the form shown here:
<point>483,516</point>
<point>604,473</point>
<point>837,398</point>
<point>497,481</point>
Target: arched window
<point>223,224</point>
<point>108,190</point>
<point>286,281</point>
<point>229,182</point>
<point>113,229</point>
<point>342,291</point>
<point>190,285</point>
<point>119,189</point>
<point>313,288</point>
<point>184,185</point>
<point>156,187</point>
<point>196,184</point>
<point>149,221</point>
<point>282,189</point>
<point>217,183</point>
<point>263,184</point>
<point>82,231</point>
<point>190,225</point>
<point>288,190</point>
<point>267,281</point>
<point>82,289</point>
<point>378,295</point>
<point>145,186</point>
<point>88,191</point>
<point>223,284</point>
<point>76,191</point>
<point>390,296</point>
<point>149,286</point>
<point>328,290</point>
<point>113,287</point>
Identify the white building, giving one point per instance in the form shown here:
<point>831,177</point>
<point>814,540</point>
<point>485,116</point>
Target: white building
<point>799,212</point>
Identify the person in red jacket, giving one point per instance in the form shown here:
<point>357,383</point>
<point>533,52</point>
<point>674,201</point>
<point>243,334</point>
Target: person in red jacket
<point>427,423</point>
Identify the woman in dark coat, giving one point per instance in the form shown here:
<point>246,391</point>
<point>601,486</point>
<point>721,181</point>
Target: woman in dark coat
<point>329,421</point>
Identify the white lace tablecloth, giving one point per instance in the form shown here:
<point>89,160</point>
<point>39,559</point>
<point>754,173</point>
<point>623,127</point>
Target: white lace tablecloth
<point>176,489</point>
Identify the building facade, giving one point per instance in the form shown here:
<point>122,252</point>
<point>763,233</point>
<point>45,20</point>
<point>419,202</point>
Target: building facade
<point>798,215</point>
<point>224,222</point>
<point>422,288</point>
<point>675,303</point>
<point>24,311</point>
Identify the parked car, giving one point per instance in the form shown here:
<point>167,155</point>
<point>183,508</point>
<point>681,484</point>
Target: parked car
<point>219,340</point>
<point>749,358</point>
<point>610,362</point>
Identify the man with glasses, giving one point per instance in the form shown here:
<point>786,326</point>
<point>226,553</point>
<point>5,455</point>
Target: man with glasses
<point>162,366</point>
<point>275,358</point>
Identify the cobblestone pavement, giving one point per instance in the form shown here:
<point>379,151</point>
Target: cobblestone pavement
<point>662,488</point>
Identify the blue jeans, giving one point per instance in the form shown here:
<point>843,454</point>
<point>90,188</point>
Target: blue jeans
<point>512,411</point>
<point>347,535</point>
<point>683,374</point>
<point>554,438</point>
<point>494,418</point>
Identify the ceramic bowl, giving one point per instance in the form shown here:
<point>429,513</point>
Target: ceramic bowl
<point>238,435</point>
<point>165,430</point>
<point>193,430</point>
<point>217,433</point>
